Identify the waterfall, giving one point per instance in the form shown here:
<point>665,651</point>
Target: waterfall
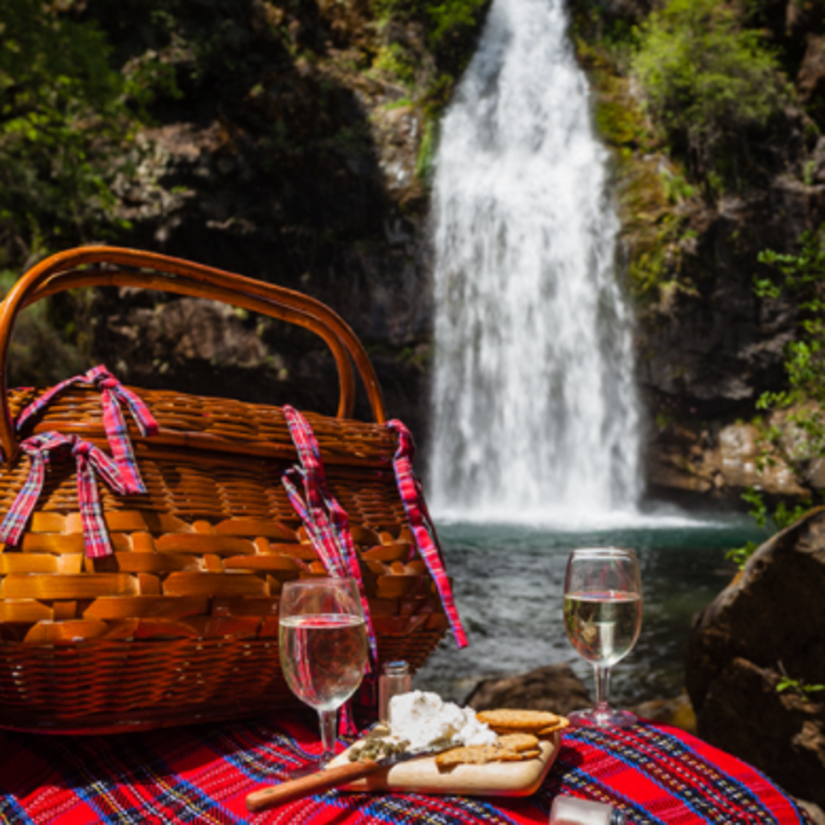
<point>535,407</point>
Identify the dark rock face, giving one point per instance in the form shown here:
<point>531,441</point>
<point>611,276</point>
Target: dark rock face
<point>553,687</point>
<point>710,347</point>
<point>285,160</point>
<point>713,347</point>
<point>766,624</point>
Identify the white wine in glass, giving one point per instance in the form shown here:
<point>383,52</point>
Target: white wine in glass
<point>322,643</point>
<point>602,617</point>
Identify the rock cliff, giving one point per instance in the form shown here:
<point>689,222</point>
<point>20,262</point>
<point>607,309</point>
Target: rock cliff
<point>707,346</point>
<point>291,142</point>
<point>291,146</point>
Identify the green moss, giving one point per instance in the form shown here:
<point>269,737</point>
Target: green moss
<point>648,184</point>
<point>394,63</point>
<point>663,421</point>
<point>426,153</point>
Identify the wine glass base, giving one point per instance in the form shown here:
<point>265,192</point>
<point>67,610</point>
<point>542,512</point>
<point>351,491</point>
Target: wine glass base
<point>609,718</point>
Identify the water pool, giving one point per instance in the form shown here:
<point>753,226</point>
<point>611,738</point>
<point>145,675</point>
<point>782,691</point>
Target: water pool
<point>508,582</point>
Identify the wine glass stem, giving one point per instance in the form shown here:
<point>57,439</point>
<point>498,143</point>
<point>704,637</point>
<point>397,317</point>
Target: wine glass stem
<point>602,688</point>
<point>328,720</point>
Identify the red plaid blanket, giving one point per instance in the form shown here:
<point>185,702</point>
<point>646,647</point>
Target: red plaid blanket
<point>202,774</point>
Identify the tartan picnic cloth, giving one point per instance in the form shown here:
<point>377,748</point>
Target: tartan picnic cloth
<point>202,774</point>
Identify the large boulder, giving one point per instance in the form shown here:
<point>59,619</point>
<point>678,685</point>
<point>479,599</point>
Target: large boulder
<point>553,687</point>
<point>753,652</point>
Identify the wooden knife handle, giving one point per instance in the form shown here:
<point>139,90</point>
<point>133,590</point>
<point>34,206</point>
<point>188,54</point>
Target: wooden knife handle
<point>306,785</point>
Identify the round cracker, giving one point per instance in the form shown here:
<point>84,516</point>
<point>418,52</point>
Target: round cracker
<point>511,719</point>
<point>467,755</point>
<point>517,741</point>
<point>550,730</point>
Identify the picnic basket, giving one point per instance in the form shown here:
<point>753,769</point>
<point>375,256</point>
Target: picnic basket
<point>177,621</point>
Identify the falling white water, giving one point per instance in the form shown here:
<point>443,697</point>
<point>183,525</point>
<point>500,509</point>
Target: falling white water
<point>536,415</point>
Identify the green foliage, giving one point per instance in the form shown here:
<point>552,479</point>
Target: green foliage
<point>759,510</point>
<point>426,154</point>
<point>67,118</point>
<point>393,60</point>
<point>61,108</point>
<point>802,440</point>
<point>707,82</point>
<point>442,20</point>
<point>782,517</point>
<point>740,555</point>
<point>427,44</point>
<point>677,188</point>
<point>798,686</point>
<point>759,513</point>
<point>448,25</point>
<point>802,275</point>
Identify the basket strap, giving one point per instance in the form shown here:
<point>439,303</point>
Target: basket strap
<point>323,540</point>
<point>41,449</point>
<point>409,487</point>
<point>326,521</point>
<point>113,396</point>
<point>327,525</point>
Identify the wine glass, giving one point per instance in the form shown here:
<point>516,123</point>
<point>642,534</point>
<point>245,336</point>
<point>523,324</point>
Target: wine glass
<point>602,617</point>
<point>322,643</point>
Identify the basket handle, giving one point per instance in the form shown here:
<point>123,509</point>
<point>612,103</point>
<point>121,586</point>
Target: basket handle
<point>169,274</point>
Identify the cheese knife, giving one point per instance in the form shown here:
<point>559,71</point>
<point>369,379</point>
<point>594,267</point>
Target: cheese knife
<point>333,777</point>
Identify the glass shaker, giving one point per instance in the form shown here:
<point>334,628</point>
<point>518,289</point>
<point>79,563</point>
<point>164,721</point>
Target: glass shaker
<point>570,810</point>
<point>394,679</point>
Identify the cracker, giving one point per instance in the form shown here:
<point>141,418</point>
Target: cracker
<point>509,756</point>
<point>468,755</point>
<point>549,731</point>
<point>507,719</point>
<point>497,752</point>
<point>517,742</point>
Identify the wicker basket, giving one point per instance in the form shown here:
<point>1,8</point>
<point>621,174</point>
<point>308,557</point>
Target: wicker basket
<point>180,624</point>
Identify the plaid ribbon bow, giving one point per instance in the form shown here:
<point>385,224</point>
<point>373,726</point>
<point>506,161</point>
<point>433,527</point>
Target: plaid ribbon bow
<point>422,525</point>
<point>113,396</point>
<point>48,446</point>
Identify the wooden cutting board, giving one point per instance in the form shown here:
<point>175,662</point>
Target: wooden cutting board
<point>493,779</point>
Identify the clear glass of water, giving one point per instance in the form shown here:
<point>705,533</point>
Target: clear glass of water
<point>602,617</point>
<point>322,643</point>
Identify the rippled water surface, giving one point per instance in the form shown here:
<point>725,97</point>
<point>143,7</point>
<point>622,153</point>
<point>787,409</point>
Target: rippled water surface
<point>508,582</point>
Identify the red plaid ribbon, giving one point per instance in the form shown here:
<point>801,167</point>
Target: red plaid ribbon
<point>327,525</point>
<point>422,525</point>
<point>41,449</point>
<point>325,520</point>
<point>113,396</point>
